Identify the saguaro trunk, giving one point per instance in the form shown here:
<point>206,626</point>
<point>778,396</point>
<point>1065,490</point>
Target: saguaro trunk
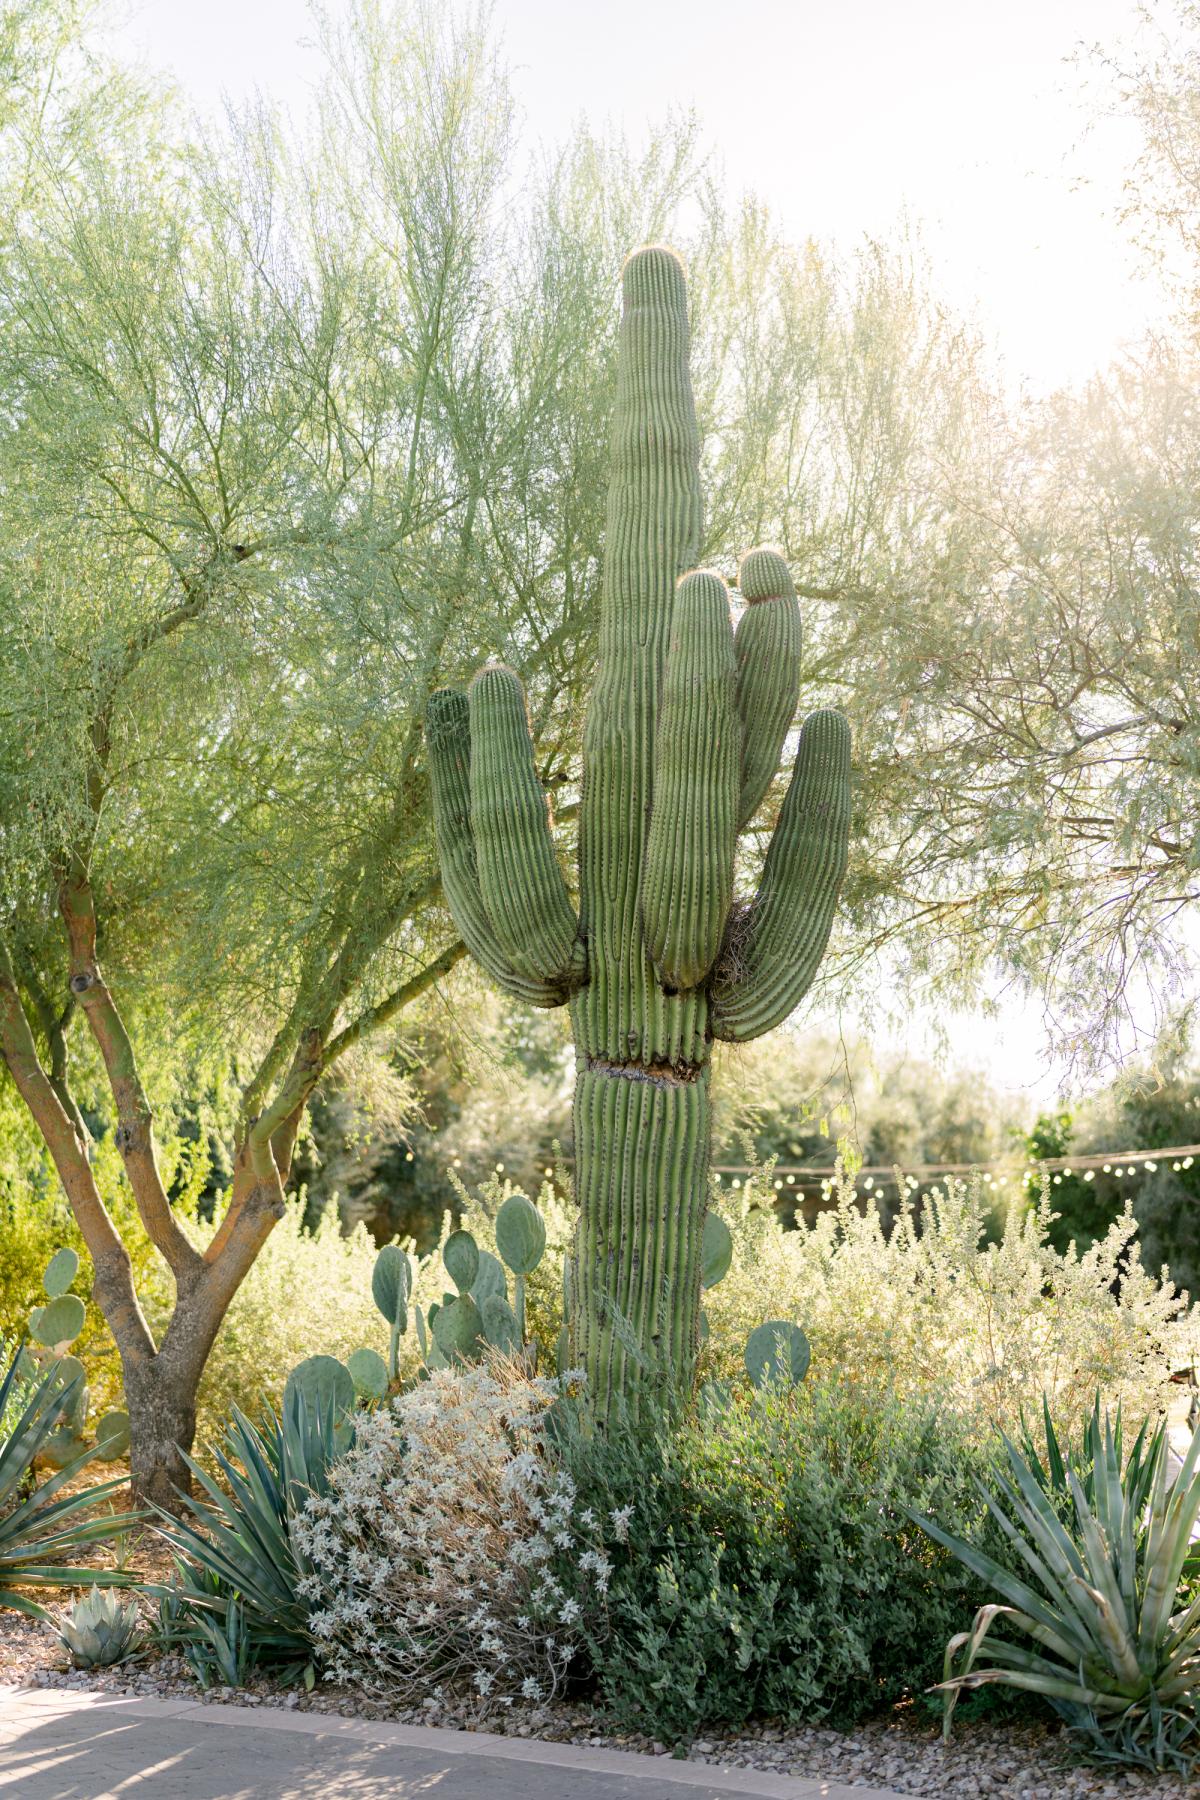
<point>641,1174</point>
<point>684,733</point>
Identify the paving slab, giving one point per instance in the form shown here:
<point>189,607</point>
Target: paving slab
<point>56,1744</point>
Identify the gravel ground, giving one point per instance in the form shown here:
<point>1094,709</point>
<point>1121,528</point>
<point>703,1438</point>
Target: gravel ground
<point>902,1750</point>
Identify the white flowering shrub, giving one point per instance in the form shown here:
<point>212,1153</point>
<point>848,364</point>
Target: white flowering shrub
<point>935,1308</point>
<point>432,1548</point>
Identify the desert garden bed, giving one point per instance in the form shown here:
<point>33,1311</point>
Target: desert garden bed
<point>902,1749</point>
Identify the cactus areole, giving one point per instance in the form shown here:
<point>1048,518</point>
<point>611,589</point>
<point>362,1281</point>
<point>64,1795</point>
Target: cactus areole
<point>684,734</point>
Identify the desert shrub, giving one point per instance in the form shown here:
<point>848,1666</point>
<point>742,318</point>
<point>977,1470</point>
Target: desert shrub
<point>939,1305</point>
<point>432,1547</point>
<point>769,1567</point>
<point>1084,1207</point>
<point>933,1307</point>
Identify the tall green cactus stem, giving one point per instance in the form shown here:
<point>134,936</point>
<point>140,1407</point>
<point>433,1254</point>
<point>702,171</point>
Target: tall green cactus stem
<point>687,880</point>
<point>683,736</point>
<point>530,909</point>
<point>448,732</point>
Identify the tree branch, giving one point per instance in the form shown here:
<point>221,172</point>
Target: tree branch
<point>394,1003</point>
<point>110,1258</point>
<point>135,1120</point>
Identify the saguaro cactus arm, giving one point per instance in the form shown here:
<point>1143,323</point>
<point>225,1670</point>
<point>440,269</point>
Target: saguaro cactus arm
<point>767,647</point>
<point>772,950</point>
<point>519,877</point>
<point>448,736</point>
<point>687,879</point>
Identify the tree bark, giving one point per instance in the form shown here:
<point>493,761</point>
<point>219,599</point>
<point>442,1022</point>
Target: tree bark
<point>161,1398</point>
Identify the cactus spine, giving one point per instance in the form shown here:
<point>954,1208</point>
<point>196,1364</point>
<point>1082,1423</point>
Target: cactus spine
<point>684,733</point>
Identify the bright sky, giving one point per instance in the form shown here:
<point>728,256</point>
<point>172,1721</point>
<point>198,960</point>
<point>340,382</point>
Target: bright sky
<point>842,114</point>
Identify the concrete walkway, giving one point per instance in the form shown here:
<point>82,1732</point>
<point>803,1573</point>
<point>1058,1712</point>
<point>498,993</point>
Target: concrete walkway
<point>60,1745</point>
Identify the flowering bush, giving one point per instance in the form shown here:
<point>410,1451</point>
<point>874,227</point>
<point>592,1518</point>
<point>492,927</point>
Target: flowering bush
<point>936,1308</point>
<point>432,1548</point>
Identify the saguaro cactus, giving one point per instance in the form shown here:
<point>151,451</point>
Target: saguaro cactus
<point>684,733</point>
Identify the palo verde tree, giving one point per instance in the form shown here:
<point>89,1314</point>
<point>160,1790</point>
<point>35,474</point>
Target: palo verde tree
<point>683,737</point>
<point>265,480</point>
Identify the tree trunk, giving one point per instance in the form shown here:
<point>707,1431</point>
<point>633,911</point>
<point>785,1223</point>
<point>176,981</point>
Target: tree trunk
<point>160,1394</point>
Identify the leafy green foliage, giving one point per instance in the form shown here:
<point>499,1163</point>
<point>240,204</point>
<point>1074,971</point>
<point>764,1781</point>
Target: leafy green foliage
<point>770,1568</point>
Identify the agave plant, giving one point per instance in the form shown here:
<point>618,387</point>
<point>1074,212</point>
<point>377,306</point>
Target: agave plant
<point>40,1524</point>
<point>1112,1629</point>
<point>100,1629</point>
<point>235,1601</point>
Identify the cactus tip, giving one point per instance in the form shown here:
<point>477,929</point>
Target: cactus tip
<point>493,668</point>
<point>764,575</point>
<point>655,272</point>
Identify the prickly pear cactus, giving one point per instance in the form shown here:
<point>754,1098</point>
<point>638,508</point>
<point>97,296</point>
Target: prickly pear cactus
<point>683,736</point>
<point>54,1328</point>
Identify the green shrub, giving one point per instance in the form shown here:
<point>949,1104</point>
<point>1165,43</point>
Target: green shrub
<point>764,1564</point>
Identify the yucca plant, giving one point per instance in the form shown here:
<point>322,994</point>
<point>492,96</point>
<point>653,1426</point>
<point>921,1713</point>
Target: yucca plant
<point>236,1601</point>
<point>40,1524</point>
<point>1113,1623</point>
<point>1138,1469</point>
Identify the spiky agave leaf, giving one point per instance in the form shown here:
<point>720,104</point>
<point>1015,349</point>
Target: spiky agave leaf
<point>237,1562</point>
<point>1113,1657</point>
<point>100,1629</point>
<point>38,1527</point>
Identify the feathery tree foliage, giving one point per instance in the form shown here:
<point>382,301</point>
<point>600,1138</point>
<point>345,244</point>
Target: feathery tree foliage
<point>265,478</point>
